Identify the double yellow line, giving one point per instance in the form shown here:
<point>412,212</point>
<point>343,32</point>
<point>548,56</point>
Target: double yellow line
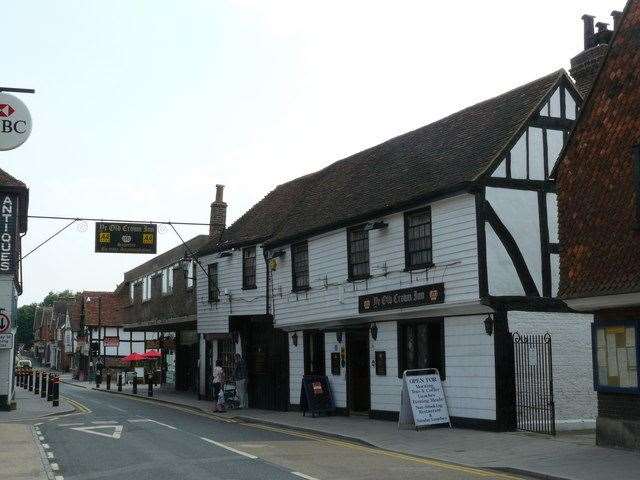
<point>377,451</point>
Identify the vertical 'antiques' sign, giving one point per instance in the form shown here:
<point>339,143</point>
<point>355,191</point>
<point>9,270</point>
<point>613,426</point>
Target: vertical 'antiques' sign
<point>126,237</point>
<point>404,298</point>
<point>8,235</point>
<point>422,401</point>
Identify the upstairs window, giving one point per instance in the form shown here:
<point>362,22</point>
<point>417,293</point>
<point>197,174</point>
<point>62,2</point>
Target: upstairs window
<point>214,291</point>
<point>358,252</point>
<point>300,266</point>
<point>417,239</point>
<point>249,268</point>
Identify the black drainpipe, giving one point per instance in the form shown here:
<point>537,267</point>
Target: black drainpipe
<point>266,261</point>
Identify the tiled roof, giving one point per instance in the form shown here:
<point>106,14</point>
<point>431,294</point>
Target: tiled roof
<point>111,309</point>
<point>599,240</point>
<point>7,180</point>
<point>447,155</point>
<point>167,258</point>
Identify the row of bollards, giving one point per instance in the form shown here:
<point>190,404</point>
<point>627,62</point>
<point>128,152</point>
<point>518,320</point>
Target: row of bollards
<point>47,385</point>
<point>135,383</point>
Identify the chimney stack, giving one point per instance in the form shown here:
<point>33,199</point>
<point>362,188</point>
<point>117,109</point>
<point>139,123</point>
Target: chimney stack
<point>617,16</point>
<point>585,65</point>
<point>218,219</point>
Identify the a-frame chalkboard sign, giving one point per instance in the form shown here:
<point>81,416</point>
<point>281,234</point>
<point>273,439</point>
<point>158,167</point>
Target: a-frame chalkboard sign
<point>316,396</point>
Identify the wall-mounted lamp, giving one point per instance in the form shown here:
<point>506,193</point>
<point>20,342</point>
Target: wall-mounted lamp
<point>377,225</point>
<point>339,337</point>
<point>374,331</point>
<point>488,325</point>
<point>228,253</point>
<point>294,339</point>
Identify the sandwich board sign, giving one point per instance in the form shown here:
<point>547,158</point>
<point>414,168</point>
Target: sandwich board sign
<point>422,402</point>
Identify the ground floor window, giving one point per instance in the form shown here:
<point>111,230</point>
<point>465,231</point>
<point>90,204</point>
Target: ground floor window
<point>421,345</point>
<point>314,353</point>
<point>616,355</point>
<point>226,356</point>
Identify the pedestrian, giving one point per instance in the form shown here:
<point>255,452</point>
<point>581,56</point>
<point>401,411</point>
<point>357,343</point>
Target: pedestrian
<point>240,376</point>
<point>218,381</point>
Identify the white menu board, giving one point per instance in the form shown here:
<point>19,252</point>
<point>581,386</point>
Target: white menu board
<point>422,402</point>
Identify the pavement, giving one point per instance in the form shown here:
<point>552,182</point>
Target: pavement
<point>120,436</point>
<point>30,406</point>
<point>568,456</point>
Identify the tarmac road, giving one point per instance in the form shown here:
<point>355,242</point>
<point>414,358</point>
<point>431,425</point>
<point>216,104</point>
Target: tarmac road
<point>120,437</point>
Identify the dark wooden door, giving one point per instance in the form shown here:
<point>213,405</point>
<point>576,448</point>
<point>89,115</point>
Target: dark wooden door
<point>358,371</point>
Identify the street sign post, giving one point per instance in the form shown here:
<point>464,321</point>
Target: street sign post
<point>15,122</point>
<point>5,321</point>
<point>6,340</point>
<point>126,237</point>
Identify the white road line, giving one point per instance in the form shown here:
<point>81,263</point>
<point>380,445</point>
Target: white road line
<point>137,420</point>
<point>105,422</point>
<point>222,445</point>
<point>164,424</point>
<point>70,424</point>
<point>140,420</point>
<point>54,467</point>
<point>116,408</point>
<point>302,475</point>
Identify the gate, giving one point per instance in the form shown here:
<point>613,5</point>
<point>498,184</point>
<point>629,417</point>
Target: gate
<point>535,409</point>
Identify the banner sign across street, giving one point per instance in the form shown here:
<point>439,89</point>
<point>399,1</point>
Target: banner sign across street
<point>126,237</point>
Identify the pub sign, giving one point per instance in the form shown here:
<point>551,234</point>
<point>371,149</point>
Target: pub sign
<point>126,237</point>
<point>403,298</point>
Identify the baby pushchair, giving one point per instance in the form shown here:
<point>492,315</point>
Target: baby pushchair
<point>231,399</point>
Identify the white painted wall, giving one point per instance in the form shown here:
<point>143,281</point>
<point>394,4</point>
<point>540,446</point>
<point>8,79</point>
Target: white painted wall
<point>338,382</point>
<point>213,317</point>
<point>296,368</point>
<point>332,297</point>
<point>469,364</point>
<point>575,399</point>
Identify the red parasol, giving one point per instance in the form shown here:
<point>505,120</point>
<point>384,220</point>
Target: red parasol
<point>134,357</point>
<point>152,355</point>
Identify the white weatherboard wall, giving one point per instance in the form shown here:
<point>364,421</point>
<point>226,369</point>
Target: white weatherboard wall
<point>518,211</point>
<point>338,382</point>
<point>213,317</point>
<point>469,366</point>
<point>575,399</point>
<point>332,297</point>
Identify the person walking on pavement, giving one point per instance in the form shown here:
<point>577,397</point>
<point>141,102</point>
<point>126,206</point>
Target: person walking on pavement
<point>218,381</point>
<point>240,376</point>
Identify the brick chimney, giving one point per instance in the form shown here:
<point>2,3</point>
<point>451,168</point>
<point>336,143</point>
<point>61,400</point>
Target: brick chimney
<point>218,219</point>
<point>585,65</point>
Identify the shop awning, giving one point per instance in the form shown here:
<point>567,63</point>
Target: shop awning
<point>163,325</point>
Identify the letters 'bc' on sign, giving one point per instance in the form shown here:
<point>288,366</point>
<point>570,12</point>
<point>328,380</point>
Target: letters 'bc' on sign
<point>15,122</point>
<point>422,401</point>
<point>126,237</point>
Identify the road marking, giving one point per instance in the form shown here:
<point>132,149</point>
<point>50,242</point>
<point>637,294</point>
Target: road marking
<point>71,424</point>
<point>141,420</point>
<point>55,467</point>
<point>425,461</point>
<point>222,445</point>
<point>116,408</point>
<point>116,434</point>
<point>79,406</point>
<point>104,422</point>
<point>302,475</point>
<point>164,424</point>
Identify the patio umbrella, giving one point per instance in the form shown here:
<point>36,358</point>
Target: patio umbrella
<point>152,355</point>
<point>133,357</point>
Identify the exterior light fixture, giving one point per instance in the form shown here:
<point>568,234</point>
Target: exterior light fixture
<point>374,331</point>
<point>294,339</point>
<point>488,325</point>
<point>377,225</point>
<point>339,337</point>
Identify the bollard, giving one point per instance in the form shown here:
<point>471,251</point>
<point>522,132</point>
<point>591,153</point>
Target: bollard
<point>119,382</point>
<point>50,388</point>
<point>56,391</point>
<point>108,381</point>
<point>135,385</point>
<point>19,378</point>
<point>149,386</point>
<point>43,385</point>
<point>36,387</point>
<point>23,377</point>
<point>31,381</point>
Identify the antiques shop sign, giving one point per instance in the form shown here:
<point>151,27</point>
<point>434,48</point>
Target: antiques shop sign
<point>404,298</point>
<point>8,233</point>
<point>125,238</point>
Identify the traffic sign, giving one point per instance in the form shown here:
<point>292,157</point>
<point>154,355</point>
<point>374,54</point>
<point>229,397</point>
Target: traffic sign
<point>6,340</point>
<point>5,321</point>
<point>15,122</point>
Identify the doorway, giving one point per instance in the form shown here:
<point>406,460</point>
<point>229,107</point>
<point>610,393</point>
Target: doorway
<point>358,386</point>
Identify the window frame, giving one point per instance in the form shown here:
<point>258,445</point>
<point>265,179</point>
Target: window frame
<point>294,271</point>
<point>317,338</point>
<point>401,327</point>
<point>213,294</point>
<point>407,254</point>
<point>594,353</point>
<point>350,275</point>
<point>245,284</point>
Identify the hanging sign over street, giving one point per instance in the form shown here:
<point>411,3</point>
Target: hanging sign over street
<point>126,237</point>
<point>422,401</point>
<point>5,321</point>
<point>15,122</point>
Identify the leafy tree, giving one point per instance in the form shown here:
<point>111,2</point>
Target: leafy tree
<point>53,297</point>
<point>24,327</point>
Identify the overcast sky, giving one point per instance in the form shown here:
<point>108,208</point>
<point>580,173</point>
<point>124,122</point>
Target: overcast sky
<point>143,106</point>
